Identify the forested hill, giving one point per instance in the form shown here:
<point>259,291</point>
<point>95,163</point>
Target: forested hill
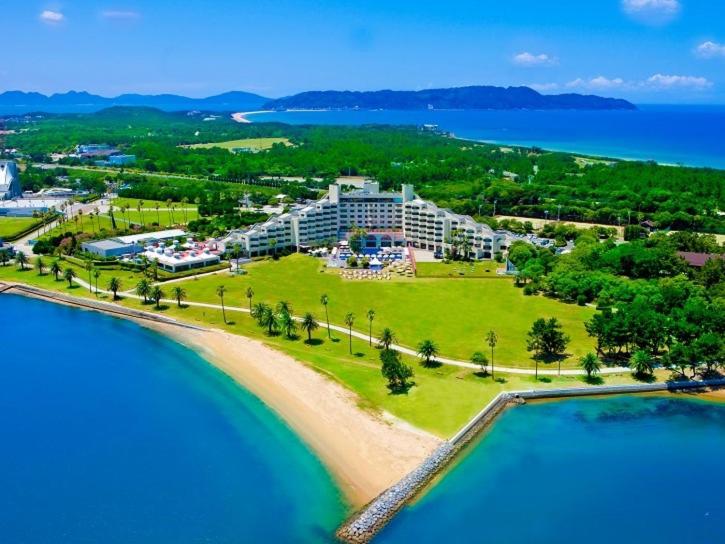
<point>466,98</point>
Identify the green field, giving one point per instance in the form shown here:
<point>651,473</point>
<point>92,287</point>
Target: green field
<point>92,226</point>
<point>442,400</point>
<point>12,226</point>
<point>485,269</point>
<point>455,314</point>
<point>256,144</point>
<point>132,204</point>
<point>163,217</point>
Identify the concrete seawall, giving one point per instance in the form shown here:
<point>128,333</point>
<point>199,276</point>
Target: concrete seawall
<point>366,523</point>
<point>88,304</point>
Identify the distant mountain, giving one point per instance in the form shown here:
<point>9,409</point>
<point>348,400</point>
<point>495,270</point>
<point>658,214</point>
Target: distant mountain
<point>464,98</point>
<point>17,102</point>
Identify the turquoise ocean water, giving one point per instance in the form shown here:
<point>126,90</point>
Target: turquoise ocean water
<point>689,135</point>
<point>619,469</point>
<point>111,433</point>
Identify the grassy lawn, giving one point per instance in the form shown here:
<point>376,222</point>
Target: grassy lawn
<point>12,226</point>
<point>459,270</point>
<point>257,144</point>
<point>132,203</point>
<point>442,400</point>
<point>455,314</point>
<point>163,217</point>
<point>90,226</point>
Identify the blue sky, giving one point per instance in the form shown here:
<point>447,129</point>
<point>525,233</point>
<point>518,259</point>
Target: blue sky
<point>667,51</point>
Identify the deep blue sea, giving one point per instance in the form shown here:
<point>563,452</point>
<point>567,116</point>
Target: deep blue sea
<point>619,469</point>
<point>111,434</point>
<point>689,135</point>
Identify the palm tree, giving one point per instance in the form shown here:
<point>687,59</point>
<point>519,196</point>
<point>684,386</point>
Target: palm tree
<point>284,307</point>
<point>80,218</point>
<point>39,264</point>
<point>287,323</point>
<point>371,317</point>
<point>220,293</point>
<point>479,358</point>
<point>21,259</point>
<point>257,311</point>
<point>4,257</point>
<point>349,321</point>
<point>56,269</point>
<point>309,324</point>
<point>250,296</point>
<point>89,268</point>
<point>491,340</point>
<point>184,203</point>
<point>139,208</point>
<point>179,294</point>
<point>268,319</point>
<point>68,275</point>
<point>114,285</point>
<point>590,364</point>
<point>143,289</point>
<point>325,300</point>
<point>168,209</point>
<point>157,294</point>
<point>155,269</point>
<point>158,214</point>
<point>428,350</point>
<point>387,338</point>
<point>273,245</point>
<point>96,275</point>
<point>641,363</point>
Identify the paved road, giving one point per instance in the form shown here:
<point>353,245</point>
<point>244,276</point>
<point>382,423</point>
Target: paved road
<point>402,349</point>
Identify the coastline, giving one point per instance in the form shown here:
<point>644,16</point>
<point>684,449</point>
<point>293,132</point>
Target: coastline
<point>366,453</point>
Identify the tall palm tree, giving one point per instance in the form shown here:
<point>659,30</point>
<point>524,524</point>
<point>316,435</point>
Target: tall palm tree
<point>156,295</point>
<point>220,291</point>
<point>491,340</point>
<point>428,350</point>
<point>155,269</point>
<point>158,214</point>
<point>21,259</point>
<point>143,289</point>
<point>250,296</point>
<point>325,300</point>
<point>268,319</point>
<point>39,264</point>
<point>309,324</point>
<point>80,218</point>
<point>114,285</point>
<point>139,208</point>
<point>56,269</point>
<point>179,294</point>
<point>88,265</point>
<point>68,275</point>
<point>168,209</point>
<point>387,338</point>
<point>185,204</point>
<point>284,307</point>
<point>257,311</point>
<point>96,275</point>
<point>113,218</point>
<point>349,321</point>
<point>371,317</point>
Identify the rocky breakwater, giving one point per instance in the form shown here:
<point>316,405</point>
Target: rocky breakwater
<point>362,527</point>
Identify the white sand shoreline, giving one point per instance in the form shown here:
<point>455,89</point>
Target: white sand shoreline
<point>365,452</point>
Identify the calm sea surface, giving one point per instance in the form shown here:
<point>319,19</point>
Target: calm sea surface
<point>619,469</point>
<point>689,135</point>
<point>114,434</point>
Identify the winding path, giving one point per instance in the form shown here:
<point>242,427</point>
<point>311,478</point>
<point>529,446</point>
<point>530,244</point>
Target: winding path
<point>397,347</point>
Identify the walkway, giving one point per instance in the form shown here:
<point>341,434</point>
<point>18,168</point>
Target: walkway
<point>397,347</point>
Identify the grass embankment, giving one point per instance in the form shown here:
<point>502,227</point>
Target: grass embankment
<point>255,144</point>
<point>11,227</point>
<point>454,314</point>
<point>442,400</point>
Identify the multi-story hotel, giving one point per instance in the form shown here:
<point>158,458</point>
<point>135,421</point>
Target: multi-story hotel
<point>389,218</point>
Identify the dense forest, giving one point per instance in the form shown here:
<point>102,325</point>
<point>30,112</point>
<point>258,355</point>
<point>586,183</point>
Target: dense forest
<point>465,176</point>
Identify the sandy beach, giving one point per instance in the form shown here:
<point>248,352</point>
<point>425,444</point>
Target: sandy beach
<point>365,452</point>
<point>241,116</point>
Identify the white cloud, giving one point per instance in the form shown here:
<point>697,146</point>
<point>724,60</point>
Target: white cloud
<point>710,50</point>
<point>655,12</point>
<point>662,81</point>
<point>120,15</point>
<point>52,17</point>
<point>599,82</point>
<point>528,59</point>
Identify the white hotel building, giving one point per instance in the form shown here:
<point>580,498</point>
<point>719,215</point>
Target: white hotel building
<point>390,218</point>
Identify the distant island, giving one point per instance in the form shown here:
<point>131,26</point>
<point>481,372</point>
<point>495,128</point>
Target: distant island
<point>460,98</point>
<point>18,102</point>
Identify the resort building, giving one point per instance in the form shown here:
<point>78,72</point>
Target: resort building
<point>131,244</point>
<point>9,180</point>
<point>389,219</point>
<point>176,257</point>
